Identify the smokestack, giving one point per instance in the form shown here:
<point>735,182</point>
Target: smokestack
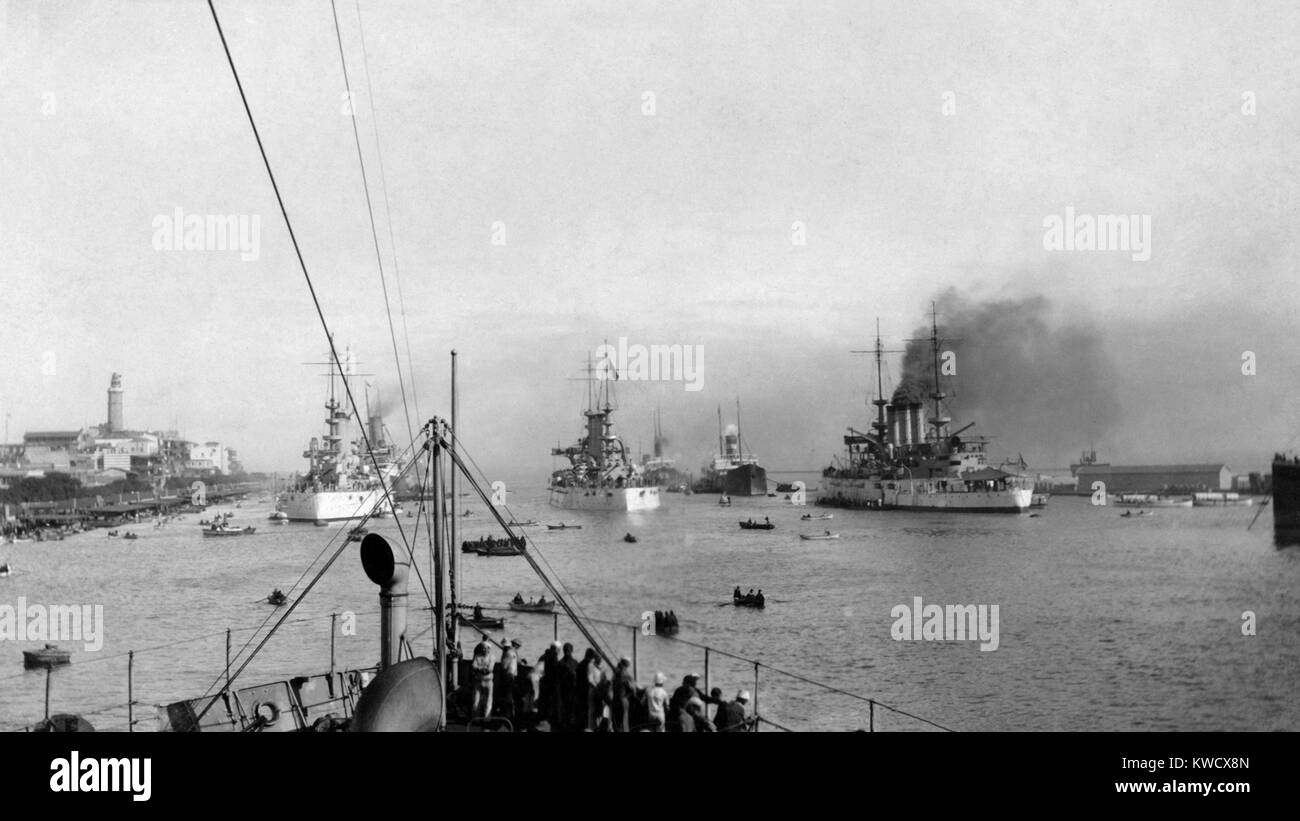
<point>891,425</point>
<point>376,432</point>
<point>115,403</point>
<point>914,420</point>
<point>382,568</point>
<point>905,424</point>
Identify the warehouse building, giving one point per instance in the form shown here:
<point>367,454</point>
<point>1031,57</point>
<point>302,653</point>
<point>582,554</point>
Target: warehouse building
<point>1154,478</point>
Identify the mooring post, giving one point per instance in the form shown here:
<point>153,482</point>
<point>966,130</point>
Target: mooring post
<point>130,692</point>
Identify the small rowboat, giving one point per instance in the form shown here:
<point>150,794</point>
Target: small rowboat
<point>277,598</point>
<point>563,526</point>
<point>755,601</point>
<point>630,539</point>
<point>6,569</point>
<point>818,537</point>
<point>533,607</point>
<point>808,517</point>
<point>48,656</point>
<point>486,623</point>
<point>529,523</point>
<point>757,526</point>
<point>230,531</point>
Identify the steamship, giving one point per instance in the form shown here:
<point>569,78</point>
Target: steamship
<point>731,471</point>
<point>600,476</point>
<point>911,462</point>
<point>340,484</point>
<point>659,470</point>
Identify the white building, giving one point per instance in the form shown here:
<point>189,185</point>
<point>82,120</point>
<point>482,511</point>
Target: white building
<point>210,456</point>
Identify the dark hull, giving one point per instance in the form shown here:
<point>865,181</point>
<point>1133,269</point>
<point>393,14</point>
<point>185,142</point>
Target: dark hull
<point>1286,503</point>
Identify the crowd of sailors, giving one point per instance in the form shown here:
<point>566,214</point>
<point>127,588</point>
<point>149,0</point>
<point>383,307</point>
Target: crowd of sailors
<point>559,693</point>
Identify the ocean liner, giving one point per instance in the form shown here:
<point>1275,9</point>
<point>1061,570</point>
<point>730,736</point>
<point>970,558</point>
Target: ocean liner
<point>341,483</point>
<point>910,462</point>
<point>731,471</point>
<point>600,476</point>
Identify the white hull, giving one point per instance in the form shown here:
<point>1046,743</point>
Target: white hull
<point>612,499</point>
<point>330,505</point>
<point>919,495</point>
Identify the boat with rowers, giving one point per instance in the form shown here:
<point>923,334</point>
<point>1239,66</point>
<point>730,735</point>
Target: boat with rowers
<point>818,537</point>
<point>221,530</point>
<point>766,524</point>
<point>530,606</point>
<point>750,599</point>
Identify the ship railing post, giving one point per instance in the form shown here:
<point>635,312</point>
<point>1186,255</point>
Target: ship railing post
<point>333,621</point>
<point>130,692</point>
<point>555,627</point>
<point>871,715</point>
<point>757,725</point>
<point>227,658</point>
<point>48,668</point>
<point>706,669</point>
<point>634,653</point>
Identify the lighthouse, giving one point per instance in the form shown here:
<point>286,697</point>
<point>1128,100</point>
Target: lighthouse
<point>115,404</point>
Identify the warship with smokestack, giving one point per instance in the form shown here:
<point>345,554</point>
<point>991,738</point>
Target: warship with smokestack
<point>732,472</point>
<point>342,481</point>
<point>600,475</point>
<point>912,461</point>
<point>659,469</point>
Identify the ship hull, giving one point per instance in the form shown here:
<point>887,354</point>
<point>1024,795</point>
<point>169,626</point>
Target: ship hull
<point>330,505</point>
<point>605,499</point>
<point>1286,503</point>
<point>745,480</point>
<point>870,494</point>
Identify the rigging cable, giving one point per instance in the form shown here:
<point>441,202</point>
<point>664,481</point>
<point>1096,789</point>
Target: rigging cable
<point>374,233</point>
<point>388,216</point>
<point>347,387</point>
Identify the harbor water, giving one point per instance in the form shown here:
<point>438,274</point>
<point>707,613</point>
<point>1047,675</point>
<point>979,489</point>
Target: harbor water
<point>1104,622</point>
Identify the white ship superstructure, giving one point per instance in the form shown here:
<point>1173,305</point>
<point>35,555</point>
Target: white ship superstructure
<point>343,479</point>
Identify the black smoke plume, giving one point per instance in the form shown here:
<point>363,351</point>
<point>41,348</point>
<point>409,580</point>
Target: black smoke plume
<point>1041,385</point>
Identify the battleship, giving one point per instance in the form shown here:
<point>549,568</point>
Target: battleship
<point>600,476</point>
<point>340,483</point>
<point>911,462</point>
<point>731,472</point>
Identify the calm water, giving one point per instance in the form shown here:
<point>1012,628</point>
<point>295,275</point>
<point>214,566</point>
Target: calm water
<point>1105,623</point>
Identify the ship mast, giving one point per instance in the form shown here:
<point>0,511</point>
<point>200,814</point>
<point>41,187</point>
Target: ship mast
<point>937,421</point>
<point>740,440</point>
<point>722,451</point>
<point>879,425</point>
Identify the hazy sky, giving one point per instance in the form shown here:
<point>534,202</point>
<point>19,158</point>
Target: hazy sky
<point>670,227</point>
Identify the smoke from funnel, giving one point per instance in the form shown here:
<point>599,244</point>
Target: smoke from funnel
<point>1034,382</point>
